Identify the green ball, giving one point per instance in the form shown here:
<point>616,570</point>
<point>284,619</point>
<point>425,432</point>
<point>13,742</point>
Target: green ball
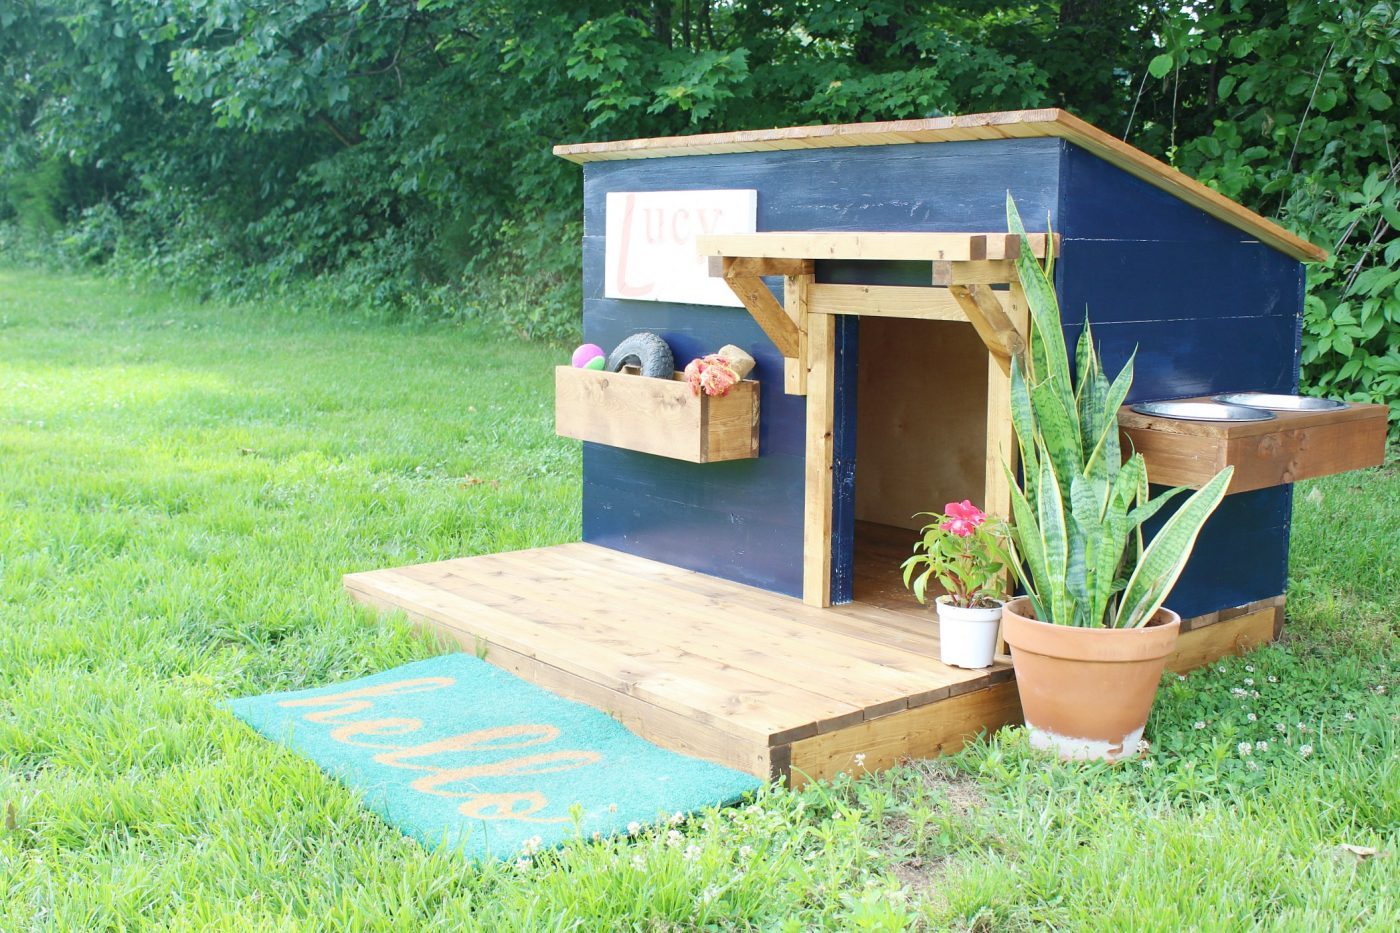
<point>597,362</point>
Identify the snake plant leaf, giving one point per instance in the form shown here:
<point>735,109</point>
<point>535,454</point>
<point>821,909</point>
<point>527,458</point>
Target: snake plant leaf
<point>1053,362</point>
<point>1145,511</point>
<point>1023,421</point>
<point>1026,537</point>
<point>1161,563</point>
<point>1084,364</point>
<point>1057,432</point>
<point>1054,532</point>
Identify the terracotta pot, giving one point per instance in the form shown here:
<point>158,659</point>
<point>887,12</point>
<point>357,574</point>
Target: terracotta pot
<point>967,637</point>
<point>1086,692</point>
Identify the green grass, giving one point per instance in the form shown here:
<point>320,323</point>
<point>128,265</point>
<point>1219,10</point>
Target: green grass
<point>181,487</point>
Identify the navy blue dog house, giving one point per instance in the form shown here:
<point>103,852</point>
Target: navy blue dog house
<point>737,593</point>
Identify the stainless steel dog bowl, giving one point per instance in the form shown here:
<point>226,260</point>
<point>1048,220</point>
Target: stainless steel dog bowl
<point>1203,411</point>
<point>1280,402</point>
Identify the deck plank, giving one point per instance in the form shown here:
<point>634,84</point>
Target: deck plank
<point>784,647</point>
<point>759,666</point>
<point>544,609</point>
<point>632,674</point>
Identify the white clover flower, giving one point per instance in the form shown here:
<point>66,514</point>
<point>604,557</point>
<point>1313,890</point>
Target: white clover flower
<point>1148,763</point>
<point>677,818</point>
<point>691,853</point>
<point>1180,678</point>
<point>673,838</point>
<point>531,846</point>
<point>1253,765</point>
<point>1280,727</point>
<point>753,809</point>
<point>639,862</point>
<point>1249,681</point>
<point>745,851</point>
<point>1249,667</point>
<point>1380,689</point>
<point>1303,727</point>
<point>1198,725</point>
<point>1254,693</point>
<point>1252,717</point>
<point>521,864</point>
<point>1244,748</point>
<point>1273,679</point>
<point>1144,746</point>
<point>1305,750</point>
<point>1239,692</point>
<point>633,828</point>
<point>1261,746</point>
<point>1349,716</point>
<point>1220,668</point>
<point>709,894</point>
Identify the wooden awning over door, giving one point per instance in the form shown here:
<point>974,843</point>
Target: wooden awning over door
<point>963,268</point>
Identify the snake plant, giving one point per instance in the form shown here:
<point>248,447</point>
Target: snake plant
<point>1078,509</point>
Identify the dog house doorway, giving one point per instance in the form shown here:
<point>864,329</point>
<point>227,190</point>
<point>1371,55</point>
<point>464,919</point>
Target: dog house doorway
<point>921,442</point>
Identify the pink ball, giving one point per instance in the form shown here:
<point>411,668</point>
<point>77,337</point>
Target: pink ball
<point>586,353</point>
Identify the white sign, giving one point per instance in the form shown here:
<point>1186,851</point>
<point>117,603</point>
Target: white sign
<point>650,245</point>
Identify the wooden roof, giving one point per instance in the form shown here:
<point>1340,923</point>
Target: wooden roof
<point>1013,124</point>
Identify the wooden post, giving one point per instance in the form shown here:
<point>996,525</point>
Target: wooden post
<point>1001,439</point>
<point>795,291</point>
<point>821,402</point>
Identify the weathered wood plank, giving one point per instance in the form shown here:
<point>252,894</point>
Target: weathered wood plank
<point>767,312</point>
<point>930,304</point>
<point>866,246</point>
<point>1291,447</point>
<point>982,272</point>
<point>935,729</point>
<point>986,313</point>
<point>671,730</point>
<point>797,290</point>
<point>1202,645</point>
<point>821,400</point>
<point>656,416</point>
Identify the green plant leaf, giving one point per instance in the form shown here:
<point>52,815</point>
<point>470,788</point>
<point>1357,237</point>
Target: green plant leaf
<point>1162,562</point>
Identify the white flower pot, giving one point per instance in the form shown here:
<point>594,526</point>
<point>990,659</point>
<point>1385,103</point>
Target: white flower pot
<point>967,637</point>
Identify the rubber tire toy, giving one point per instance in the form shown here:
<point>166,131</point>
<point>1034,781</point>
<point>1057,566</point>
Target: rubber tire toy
<point>646,351</point>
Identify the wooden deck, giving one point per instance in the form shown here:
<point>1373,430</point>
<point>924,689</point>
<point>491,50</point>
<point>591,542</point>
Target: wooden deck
<point>726,672</point>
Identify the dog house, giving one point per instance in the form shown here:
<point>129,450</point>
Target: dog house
<point>736,594</point>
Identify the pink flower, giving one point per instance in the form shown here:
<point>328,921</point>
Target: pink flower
<point>963,518</point>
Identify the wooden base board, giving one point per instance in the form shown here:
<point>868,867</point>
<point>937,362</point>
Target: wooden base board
<point>728,673</point>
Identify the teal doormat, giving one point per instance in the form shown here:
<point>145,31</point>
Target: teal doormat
<point>454,751</point>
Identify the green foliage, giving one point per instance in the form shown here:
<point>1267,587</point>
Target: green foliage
<point>397,155</point>
<point>1077,513</point>
<point>1292,109</point>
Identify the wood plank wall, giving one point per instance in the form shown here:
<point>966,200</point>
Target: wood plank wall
<point>1207,309</point>
<point>743,521</point>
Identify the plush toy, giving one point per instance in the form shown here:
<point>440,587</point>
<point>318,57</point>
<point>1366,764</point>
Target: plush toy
<point>585,355</point>
<point>717,373</point>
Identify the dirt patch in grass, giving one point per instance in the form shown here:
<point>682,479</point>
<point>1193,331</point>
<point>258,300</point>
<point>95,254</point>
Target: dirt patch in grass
<point>922,873</point>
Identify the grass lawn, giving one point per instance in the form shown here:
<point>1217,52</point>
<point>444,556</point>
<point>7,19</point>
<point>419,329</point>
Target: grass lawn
<point>181,487</point>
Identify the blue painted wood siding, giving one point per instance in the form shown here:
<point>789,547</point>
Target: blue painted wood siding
<point>742,520</point>
<point>1207,310</point>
